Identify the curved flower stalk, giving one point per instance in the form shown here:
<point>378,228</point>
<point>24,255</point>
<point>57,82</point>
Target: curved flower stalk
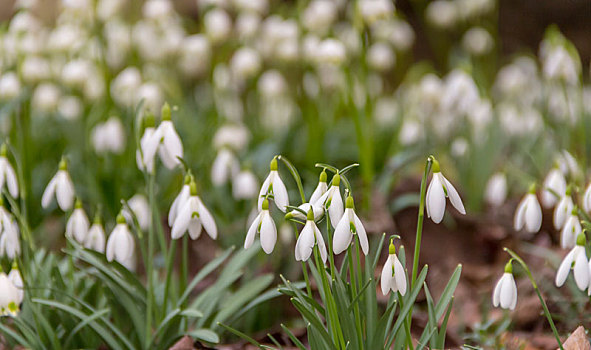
<point>265,226</point>
<point>576,260</point>
<point>120,245</point>
<point>505,292</point>
<point>562,210</point>
<point>347,227</point>
<point>95,239</point>
<point>495,192</point>
<point>61,187</point>
<point>9,297</point>
<point>77,226</point>
<point>333,201</point>
<point>7,173</point>
<point>145,163</point>
<point>554,185</point>
<point>193,217</point>
<point>528,213</point>
<point>393,277</point>
<point>438,190</point>
<point>180,200</point>
<point>274,185</point>
<point>166,141</point>
<point>570,230</point>
<point>309,237</point>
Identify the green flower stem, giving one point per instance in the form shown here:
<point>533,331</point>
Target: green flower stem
<point>419,234</point>
<point>150,260</point>
<point>409,344</point>
<point>537,290</point>
<point>354,280</point>
<point>185,263</point>
<point>169,273</point>
<point>330,251</point>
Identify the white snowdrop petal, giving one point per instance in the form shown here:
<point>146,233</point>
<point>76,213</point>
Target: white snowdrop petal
<point>149,143</point>
<point>207,220</point>
<point>318,192</point>
<point>361,234</point>
<point>280,193</point>
<point>49,192</point>
<point>11,181</point>
<point>454,197</point>
<point>436,202</point>
<point>182,221</point>
<point>178,202</point>
<point>64,190</point>
<point>519,219</point>
<point>587,199</point>
<point>342,236</point>
<point>264,190</point>
<point>250,235</point>
<point>321,245</point>
<point>400,276</point>
<point>581,270</point>
<point>564,269</point>
<point>386,275</point>
<point>335,210</point>
<point>172,141</point>
<point>506,292</point>
<point>496,298</point>
<point>513,293</point>
<point>268,234</point>
<point>533,214</point>
<point>194,228</point>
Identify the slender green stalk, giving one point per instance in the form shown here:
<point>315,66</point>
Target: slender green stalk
<point>406,325</point>
<point>415,261</point>
<point>185,263</point>
<point>150,260</point>
<point>353,273</point>
<point>169,273</point>
<point>537,290</point>
<point>295,175</point>
<point>330,251</point>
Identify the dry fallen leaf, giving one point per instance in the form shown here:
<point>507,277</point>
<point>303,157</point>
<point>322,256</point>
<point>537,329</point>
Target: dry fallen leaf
<point>577,340</point>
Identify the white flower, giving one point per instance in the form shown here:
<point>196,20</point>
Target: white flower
<point>580,267</point>
<point>393,277</point>
<point>218,25</point>
<point>305,207</point>
<point>439,188</point>
<point>570,231</point>
<point>330,51</point>
<point>333,200</point>
<point>77,226</point>
<point>144,163</point>
<point>496,190</point>
<point>10,245</point>
<point>244,185</point>
<point>61,187</point>
<point>320,189</point>
<point>263,224</point>
<point>166,140</point>
<point>554,188</point>
<point>192,217</point>
<point>17,280</point>
<point>141,208</point>
<point>232,135</point>
<point>587,199</point>
<point>309,237</point>
<point>347,227</point>
<point>180,200</point>
<point>528,213</point>
<point>562,210</point>
<point>120,245</point>
<point>9,297</point>
<point>10,86</point>
<point>95,239</point>
<point>245,63</point>
<point>225,166</point>
<point>380,57</point>
<point>273,184</point>
<point>7,174</point>
<point>109,136</point>
<point>505,292</point>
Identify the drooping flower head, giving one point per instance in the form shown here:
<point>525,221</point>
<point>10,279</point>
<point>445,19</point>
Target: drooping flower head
<point>348,226</point>
<point>554,185</point>
<point>273,185</point>
<point>529,212</point>
<point>120,245</point>
<point>17,280</point>
<point>570,230</point>
<point>438,190</point>
<point>193,217</point>
<point>95,239</point>
<point>166,141</point>
<point>495,191</point>
<point>77,226</point>
<point>263,224</point>
<point>61,187</point>
<point>320,189</point>
<point>180,200</point>
<point>146,163</point>
<point>7,174</point>
<point>563,209</point>
<point>505,292</point>
<point>309,237</point>
<point>393,277</point>
<point>576,260</point>
<point>333,201</point>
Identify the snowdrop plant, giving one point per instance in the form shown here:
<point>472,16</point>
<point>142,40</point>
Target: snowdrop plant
<point>265,226</point>
<point>121,245</point>
<point>308,239</point>
<point>563,209</point>
<point>60,187</point>
<point>348,226</point>
<point>439,189</point>
<point>333,201</point>
<point>505,292</point>
<point>571,229</point>
<point>9,296</point>
<point>554,187</point>
<point>193,217</point>
<point>393,277</point>
<point>166,141</point>
<point>95,239</point>
<point>273,186</point>
<point>528,213</point>
<point>576,260</point>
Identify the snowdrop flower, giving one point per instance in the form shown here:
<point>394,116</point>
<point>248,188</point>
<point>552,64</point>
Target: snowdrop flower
<point>587,199</point>
<point>142,162</point>
<point>347,227</point>
<point>563,209</point>
<point>120,245</point>
<point>380,57</point>
<point>95,239</point>
<point>505,292</point>
<point>554,185</point>
<point>495,192</point>
<point>9,297</point>
<point>274,185</point>
<point>218,25</point>
<point>581,268</point>
<point>264,225</point>
<point>321,188</point>
<point>393,276</point>
<point>180,200</point>
<point>109,136</point>
<point>224,167</point>
<point>10,245</point>
<point>570,230</point>
<point>17,280</point>
<point>244,185</point>
<point>245,63</point>
<point>141,209</point>
<point>7,174</point>
<point>61,187</point>
<point>439,188</point>
<point>192,217</point>
<point>305,207</point>
<point>331,51</point>
<point>10,86</point>
<point>309,237</point>
<point>333,200</point>
<point>166,140</point>
<point>528,213</point>
<point>77,226</point>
